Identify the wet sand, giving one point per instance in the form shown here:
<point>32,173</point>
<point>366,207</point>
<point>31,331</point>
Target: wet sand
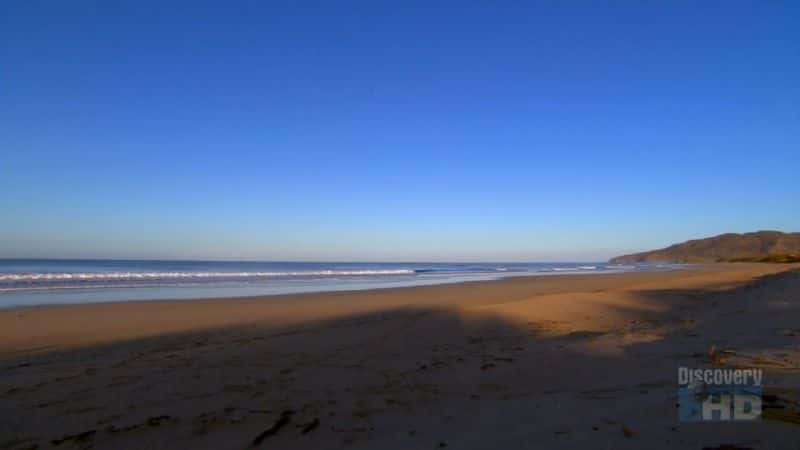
<point>568,361</point>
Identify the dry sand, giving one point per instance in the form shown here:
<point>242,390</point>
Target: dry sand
<point>573,361</point>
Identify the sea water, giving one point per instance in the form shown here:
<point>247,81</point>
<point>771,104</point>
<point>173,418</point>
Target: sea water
<point>25,282</point>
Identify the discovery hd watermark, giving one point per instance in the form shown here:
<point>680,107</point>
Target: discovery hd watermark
<point>719,395</point>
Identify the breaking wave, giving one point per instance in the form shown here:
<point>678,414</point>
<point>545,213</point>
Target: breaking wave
<point>131,276</point>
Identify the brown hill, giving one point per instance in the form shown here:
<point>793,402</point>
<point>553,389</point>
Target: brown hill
<point>761,246</point>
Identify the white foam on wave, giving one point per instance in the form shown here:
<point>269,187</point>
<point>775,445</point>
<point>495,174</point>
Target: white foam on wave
<point>112,276</point>
<point>573,269</point>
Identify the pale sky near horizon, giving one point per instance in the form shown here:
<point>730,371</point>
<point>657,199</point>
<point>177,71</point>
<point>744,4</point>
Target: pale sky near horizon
<point>417,131</point>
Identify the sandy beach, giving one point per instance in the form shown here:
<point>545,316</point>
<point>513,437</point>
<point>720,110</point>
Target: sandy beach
<point>572,361</point>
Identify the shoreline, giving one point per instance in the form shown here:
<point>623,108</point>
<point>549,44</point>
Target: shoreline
<point>497,277</point>
<point>73,282</point>
<point>212,312</point>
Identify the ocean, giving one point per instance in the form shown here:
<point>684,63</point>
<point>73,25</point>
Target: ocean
<point>27,282</point>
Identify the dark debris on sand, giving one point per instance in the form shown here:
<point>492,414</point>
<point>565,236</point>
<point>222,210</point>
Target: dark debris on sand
<point>284,420</point>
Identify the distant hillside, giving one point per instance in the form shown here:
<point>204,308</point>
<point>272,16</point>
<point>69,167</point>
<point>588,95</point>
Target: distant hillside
<point>761,246</point>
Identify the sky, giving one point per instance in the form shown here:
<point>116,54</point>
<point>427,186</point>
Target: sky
<point>394,131</point>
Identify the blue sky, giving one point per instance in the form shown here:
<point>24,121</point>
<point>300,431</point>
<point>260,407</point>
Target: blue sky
<point>394,130</point>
